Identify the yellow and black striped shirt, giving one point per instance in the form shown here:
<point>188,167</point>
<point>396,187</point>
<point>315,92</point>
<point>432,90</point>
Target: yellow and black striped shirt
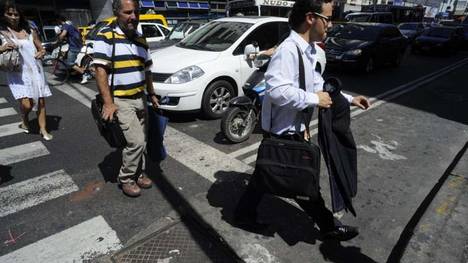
<point>131,60</point>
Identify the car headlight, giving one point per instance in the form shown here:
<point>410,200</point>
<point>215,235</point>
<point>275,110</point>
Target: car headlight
<point>185,75</point>
<point>354,52</point>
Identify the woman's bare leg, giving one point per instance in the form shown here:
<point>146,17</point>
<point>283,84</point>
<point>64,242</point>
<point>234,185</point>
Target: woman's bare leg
<point>25,108</point>
<point>41,118</point>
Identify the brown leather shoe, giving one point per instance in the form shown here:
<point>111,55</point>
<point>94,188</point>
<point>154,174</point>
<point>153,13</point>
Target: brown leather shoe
<point>144,182</point>
<point>131,189</point>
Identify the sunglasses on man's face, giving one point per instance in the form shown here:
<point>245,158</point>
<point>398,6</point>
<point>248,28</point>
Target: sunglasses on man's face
<point>325,18</point>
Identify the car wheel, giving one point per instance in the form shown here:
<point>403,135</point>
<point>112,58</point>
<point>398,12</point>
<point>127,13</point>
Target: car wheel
<point>216,99</point>
<point>369,67</point>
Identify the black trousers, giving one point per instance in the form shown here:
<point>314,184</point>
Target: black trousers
<point>247,207</point>
<point>316,209</point>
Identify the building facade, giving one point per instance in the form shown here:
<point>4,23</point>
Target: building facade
<point>82,12</point>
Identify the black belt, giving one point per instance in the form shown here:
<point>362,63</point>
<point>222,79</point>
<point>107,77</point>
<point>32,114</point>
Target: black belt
<point>134,96</point>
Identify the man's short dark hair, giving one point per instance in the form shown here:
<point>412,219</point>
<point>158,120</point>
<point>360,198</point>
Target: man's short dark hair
<point>302,7</point>
<point>117,5</point>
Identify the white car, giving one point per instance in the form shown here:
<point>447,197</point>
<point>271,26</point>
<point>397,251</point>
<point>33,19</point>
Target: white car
<point>207,68</point>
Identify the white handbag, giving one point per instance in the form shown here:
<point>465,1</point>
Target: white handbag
<point>10,60</point>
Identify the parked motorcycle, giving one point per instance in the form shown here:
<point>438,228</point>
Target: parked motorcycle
<point>243,113</point>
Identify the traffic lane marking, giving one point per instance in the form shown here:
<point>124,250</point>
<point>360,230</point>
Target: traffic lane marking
<point>7,112</point>
<point>22,152</point>
<point>200,157</point>
<point>84,241</point>
<point>10,129</point>
<point>29,193</point>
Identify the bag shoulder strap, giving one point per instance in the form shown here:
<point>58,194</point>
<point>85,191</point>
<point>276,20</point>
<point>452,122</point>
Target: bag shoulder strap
<point>302,86</point>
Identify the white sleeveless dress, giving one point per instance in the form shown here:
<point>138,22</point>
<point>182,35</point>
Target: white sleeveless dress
<point>30,81</point>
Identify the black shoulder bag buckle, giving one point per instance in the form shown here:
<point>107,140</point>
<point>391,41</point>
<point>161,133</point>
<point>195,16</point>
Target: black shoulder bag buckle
<point>289,168</point>
<point>110,130</point>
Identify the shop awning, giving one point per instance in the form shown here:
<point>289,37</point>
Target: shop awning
<point>204,5</point>
<point>160,4</point>
<point>192,5</point>
<point>147,3</point>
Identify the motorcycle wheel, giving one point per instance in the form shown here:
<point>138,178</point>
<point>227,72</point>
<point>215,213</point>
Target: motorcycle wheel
<point>233,126</point>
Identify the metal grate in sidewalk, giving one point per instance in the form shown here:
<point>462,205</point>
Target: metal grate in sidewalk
<point>178,243</point>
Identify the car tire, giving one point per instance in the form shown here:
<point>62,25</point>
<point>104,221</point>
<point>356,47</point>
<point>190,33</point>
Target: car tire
<point>369,66</point>
<point>216,99</point>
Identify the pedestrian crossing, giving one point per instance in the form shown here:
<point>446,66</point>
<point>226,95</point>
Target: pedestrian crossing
<point>77,243</point>
<point>22,152</point>
<point>7,112</point>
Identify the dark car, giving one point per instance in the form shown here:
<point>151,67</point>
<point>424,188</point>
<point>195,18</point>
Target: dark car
<point>179,32</point>
<point>412,30</point>
<point>465,34</point>
<point>365,45</point>
<point>446,39</point>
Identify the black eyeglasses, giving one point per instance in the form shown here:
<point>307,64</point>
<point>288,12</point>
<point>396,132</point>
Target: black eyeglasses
<point>326,18</point>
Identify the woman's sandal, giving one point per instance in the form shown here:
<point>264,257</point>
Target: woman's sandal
<point>24,128</point>
<point>46,136</point>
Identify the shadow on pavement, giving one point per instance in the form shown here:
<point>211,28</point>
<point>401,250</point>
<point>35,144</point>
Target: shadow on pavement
<point>189,215</point>
<point>5,174</point>
<point>53,123</point>
<point>288,221</point>
<point>333,251</point>
<point>110,166</point>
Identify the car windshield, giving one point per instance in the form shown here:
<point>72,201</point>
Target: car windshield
<point>408,26</point>
<point>181,30</point>
<point>215,36</point>
<point>359,18</point>
<point>359,32</point>
<point>439,32</point>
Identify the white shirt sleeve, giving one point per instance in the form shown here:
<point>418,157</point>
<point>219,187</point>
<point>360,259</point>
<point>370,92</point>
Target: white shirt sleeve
<point>348,97</point>
<point>280,78</point>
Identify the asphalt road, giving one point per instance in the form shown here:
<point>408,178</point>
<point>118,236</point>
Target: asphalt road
<point>406,141</point>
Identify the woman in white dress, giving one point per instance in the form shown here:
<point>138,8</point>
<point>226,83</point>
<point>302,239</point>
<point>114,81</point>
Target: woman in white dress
<point>28,86</point>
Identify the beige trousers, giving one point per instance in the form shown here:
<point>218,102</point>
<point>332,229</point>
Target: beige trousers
<point>133,116</point>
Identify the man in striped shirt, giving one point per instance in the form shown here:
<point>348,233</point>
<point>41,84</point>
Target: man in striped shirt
<point>123,64</point>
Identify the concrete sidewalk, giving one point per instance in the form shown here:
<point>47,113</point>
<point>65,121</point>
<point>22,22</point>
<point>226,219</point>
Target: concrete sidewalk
<point>440,234</point>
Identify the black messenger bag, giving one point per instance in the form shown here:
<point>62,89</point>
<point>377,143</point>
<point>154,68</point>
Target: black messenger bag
<point>110,130</point>
<point>289,168</point>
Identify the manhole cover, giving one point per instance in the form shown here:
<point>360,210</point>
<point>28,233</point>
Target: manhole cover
<point>179,242</point>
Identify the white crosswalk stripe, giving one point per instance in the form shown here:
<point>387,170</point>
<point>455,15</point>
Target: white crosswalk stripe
<point>7,112</point>
<point>9,129</point>
<point>22,152</point>
<point>37,190</point>
<point>75,244</point>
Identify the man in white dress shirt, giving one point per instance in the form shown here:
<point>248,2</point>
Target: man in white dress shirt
<point>309,20</point>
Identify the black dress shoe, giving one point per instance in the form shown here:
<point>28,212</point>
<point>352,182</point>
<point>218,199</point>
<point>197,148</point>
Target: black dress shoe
<point>341,233</point>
